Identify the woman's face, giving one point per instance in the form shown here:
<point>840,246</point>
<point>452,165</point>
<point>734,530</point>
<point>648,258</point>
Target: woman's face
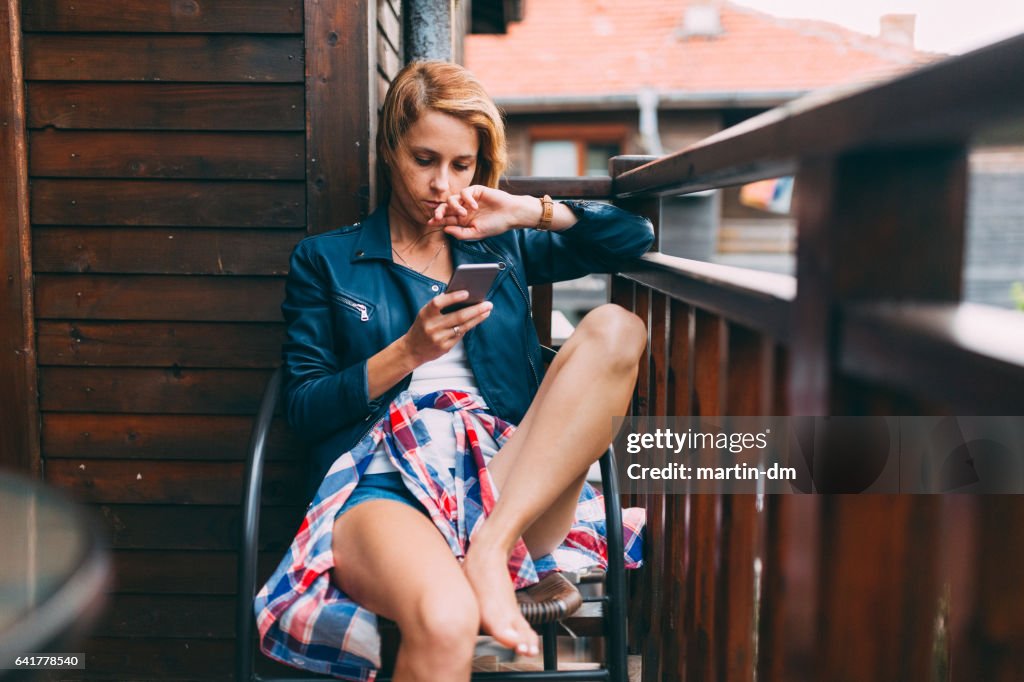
<point>437,160</point>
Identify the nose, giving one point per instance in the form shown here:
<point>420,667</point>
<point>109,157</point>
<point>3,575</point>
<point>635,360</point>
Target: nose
<point>439,180</point>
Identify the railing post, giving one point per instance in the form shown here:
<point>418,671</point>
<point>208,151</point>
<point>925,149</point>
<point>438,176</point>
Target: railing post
<point>885,225</point>
<point>646,613</point>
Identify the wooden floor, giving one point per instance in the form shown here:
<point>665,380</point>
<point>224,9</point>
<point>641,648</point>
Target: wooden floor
<point>491,663</point>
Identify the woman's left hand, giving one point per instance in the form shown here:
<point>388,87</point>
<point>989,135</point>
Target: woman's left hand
<point>478,212</point>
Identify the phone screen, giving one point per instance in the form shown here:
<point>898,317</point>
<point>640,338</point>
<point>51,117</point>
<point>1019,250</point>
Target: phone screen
<point>476,278</point>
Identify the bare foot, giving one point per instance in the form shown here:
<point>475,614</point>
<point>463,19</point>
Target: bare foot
<point>487,573</point>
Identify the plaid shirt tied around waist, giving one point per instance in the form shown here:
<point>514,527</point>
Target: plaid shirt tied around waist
<point>305,621</point>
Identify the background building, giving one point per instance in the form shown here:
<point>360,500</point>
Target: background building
<point>584,80</point>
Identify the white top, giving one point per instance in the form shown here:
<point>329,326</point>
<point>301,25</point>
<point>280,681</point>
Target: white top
<point>450,371</point>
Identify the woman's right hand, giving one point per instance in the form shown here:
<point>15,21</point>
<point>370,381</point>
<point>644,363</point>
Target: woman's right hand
<point>433,333</point>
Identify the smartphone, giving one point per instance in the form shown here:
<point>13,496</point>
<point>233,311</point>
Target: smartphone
<point>475,278</point>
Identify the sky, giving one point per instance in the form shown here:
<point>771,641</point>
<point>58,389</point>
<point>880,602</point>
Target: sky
<point>952,26</point>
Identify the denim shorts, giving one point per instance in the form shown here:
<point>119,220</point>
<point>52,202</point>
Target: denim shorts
<point>387,486</point>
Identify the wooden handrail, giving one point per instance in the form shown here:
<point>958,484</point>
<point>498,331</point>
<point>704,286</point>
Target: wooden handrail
<point>599,187</point>
<point>968,355</point>
<point>943,103</point>
<point>759,300</point>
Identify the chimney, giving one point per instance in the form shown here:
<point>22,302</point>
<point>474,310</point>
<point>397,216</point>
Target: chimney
<point>898,29</point>
<point>701,18</point>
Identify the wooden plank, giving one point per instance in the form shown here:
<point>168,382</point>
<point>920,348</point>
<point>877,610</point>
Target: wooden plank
<point>167,202</point>
<point>194,527</point>
<point>977,347</point>
<point>542,298</point>
<point>682,325</point>
<point>558,188</point>
<point>750,373</point>
<point>998,623</point>
<point>163,251</point>
<point>19,447</point>
<point>179,16</point>
<point>171,615</point>
<point>947,103</point>
<point>107,297</point>
<point>388,59</point>
<point>878,552</point>
<point>339,100</point>
<point>156,391</point>
<point>957,650</point>
<point>158,658</point>
<point>710,358</point>
<point>789,616</point>
<point>173,572</point>
<point>160,344</point>
<point>390,27</point>
<point>674,635</point>
<point>642,401</point>
<point>162,436</point>
<point>655,588</point>
<point>849,207</point>
<point>701,589</point>
<point>659,351</point>
<point>735,617</point>
<point>173,155</point>
<point>621,292</point>
<point>749,391</point>
<point>119,481</point>
<point>179,58</point>
<point>166,106</point>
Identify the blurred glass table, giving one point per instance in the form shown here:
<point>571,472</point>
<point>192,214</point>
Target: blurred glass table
<point>54,573</point>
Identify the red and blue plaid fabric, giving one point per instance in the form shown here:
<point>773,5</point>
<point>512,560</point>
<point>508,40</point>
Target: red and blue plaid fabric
<point>305,621</point>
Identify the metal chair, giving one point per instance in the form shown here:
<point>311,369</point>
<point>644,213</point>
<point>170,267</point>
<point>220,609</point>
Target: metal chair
<point>612,604</point>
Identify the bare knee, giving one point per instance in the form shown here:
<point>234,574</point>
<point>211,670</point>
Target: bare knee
<point>445,622</point>
<point>621,334</point>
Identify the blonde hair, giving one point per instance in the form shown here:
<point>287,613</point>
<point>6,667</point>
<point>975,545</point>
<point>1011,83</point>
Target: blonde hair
<point>449,89</point>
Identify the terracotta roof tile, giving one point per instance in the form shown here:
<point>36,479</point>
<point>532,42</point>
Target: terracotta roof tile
<point>607,47</point>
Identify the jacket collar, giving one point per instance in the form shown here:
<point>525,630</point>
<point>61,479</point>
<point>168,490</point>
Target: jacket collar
<point>374,241</point>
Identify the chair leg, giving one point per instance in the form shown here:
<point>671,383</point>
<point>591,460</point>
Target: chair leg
<point>549,633</point>
<point>615,585</point>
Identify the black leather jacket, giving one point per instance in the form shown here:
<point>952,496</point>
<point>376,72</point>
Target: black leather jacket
<point>346,300</point>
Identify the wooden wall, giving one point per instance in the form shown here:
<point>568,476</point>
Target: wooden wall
<point>176,152</point>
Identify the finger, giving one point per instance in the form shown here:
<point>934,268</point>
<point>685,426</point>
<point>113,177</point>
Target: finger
<point>468,314</point>
<point>455,205</point>
<point>449,297</point>
<point>457,324</point>
<point>443,221</point>
<point>467,196</point>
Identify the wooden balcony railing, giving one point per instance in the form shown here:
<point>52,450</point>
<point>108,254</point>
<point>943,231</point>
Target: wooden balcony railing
<point>830,587</point>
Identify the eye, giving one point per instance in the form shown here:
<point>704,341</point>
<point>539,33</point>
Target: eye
<point>422,161</point>
<point>461,167</point>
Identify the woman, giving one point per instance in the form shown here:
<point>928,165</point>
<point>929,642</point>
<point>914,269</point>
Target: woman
<point>412,408</point>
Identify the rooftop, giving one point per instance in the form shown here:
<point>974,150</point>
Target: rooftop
<point>594,48</point>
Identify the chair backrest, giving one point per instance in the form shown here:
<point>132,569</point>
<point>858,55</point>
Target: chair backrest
<point>247,554</point>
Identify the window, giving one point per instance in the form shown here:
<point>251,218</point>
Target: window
<point>574,150</point>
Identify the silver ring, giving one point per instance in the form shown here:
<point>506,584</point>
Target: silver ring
<point>456,331</point>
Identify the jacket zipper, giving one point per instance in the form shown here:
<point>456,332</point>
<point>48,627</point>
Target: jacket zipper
<point>364,315</point>
<point>529,309</point>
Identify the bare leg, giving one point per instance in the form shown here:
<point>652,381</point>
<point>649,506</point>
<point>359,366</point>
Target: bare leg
<point>540,471</point>
<point>390,559</point>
